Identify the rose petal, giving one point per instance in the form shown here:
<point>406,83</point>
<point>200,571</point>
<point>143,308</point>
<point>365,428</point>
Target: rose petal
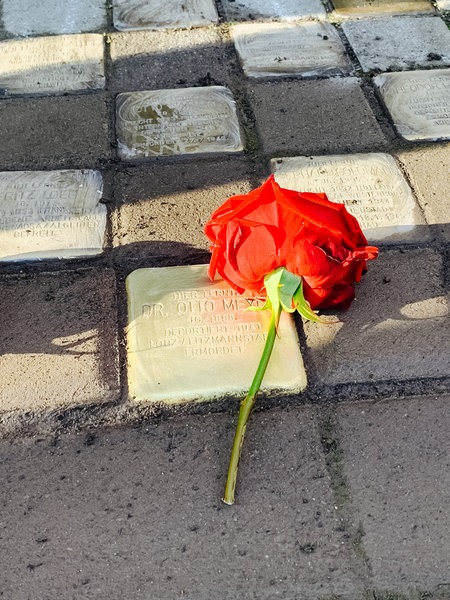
<point>253,234</point>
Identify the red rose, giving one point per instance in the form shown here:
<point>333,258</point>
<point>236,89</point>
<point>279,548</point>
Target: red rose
<point>307,234</point>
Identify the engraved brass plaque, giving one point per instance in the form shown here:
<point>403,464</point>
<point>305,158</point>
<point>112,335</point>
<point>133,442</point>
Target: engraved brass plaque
<point>178,121</point>
<point>51,214</point>
<point>190,339</point>
<point>370,185</point>
<point>50,65</point>
<point>418,102</point>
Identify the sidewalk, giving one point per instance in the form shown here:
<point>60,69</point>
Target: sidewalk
<point>347,97</point>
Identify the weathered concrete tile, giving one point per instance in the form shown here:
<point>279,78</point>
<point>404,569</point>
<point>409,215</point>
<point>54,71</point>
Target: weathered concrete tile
<point>155,492</point>
<point>257,10</point>
<point>391,330</point>
<point>178,121</point>
<point>46,65</point>
<point>54,132</point>
<point>169,58</point>
<point>27,18</point>
<point>135,14</point>
<point>418,102</point>
<point>443,4</point>
<point>428,170</point>
<point>190,339</point>
<point>51,214</point>
<point>58,345</point>
<point>281,49</point>
<point>356,8</point>
<point>372,187</point>
<point>162,208</point>
<point>404,43</point>
<point>396,462</point>
<point>314,117</point>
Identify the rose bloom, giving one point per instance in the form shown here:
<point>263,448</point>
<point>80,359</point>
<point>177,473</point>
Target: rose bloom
<point>272,227</point>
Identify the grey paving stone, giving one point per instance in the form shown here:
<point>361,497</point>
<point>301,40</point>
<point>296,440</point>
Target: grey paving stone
<point>138,511</point>
<point>418,102</point>
<point>166,59</point>
<point>273,9</point>
<point>285,49</point>
<point>27,18</point>
<point>356,8</point>
<point>54,132</point>
<point>403,43</point>
<point>162,208</point>
<point>314,117</point>
<point>428,170</point>
<point>59,340</point>
<point>135,14</point>
<point>53,64</point>
<point>443,4</point>
<point>398,328</point>
<point>396,460</point>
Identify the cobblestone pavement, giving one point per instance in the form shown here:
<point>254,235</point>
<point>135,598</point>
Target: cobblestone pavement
<point>345,487</point>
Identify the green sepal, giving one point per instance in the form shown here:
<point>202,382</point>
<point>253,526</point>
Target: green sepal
<point>281,286</point>
<point>304,308</point>
<point>285,290</point>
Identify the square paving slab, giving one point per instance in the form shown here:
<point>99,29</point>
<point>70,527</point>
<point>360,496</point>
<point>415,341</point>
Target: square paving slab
<point>192,339</point>
<point>428,170</point>
<point>403,43</point>
<point>161,14</point>
<point>79,131</point>
<point>398,327</point>
<point>51,214</point>
<point>273,9</point>
<point>179,121</point>
<point>313,116</point>
<point>280,49</point>
<point>47,65</point>
<point>395,456</point>
<point>59,340</point>
<point>443,4</point>
<point>418,103</point>
<point>151,60</point>
<point>371,186</point>
<point>27,17</point>
<point>164,207</point>
<point>353,8</point>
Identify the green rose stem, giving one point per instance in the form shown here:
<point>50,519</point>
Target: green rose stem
<point>284,292</point>
<point>247,406</point>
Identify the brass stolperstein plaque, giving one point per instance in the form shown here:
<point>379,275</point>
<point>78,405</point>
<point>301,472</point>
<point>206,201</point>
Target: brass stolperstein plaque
<point>190,339</point>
